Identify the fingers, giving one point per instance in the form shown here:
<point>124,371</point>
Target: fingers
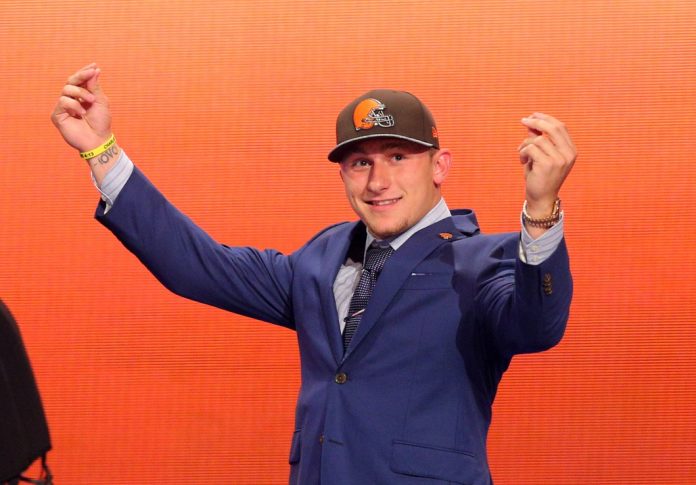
<point>83,87</point>
<point>555,130</point>
<point>537,148</point>
<point>543,123</point>
<point>74,94</point>
<point>83,75</point>
<point>532,153</point>
<point>78,93</point>
<point>70,106</point>
<point>533,132</point>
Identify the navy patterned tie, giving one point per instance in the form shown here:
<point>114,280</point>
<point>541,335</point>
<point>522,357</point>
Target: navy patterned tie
<point>374,262</point>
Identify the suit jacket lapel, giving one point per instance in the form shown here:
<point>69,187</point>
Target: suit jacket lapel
<point>398,268</point>
<point>336,256</point>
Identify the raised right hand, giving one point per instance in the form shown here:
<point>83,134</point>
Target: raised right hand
<point>82,112</point>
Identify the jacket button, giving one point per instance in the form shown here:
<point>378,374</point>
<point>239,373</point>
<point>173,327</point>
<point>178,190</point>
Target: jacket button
<point>341,378</point>
<point>321,438</point>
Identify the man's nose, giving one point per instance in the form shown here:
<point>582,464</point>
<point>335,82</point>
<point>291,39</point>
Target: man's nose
<point>380,177</point>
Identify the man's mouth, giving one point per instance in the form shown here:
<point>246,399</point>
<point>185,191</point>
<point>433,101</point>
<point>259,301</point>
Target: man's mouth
<point>383,202</point>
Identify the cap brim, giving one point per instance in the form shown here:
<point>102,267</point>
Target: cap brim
<point>336,155</point>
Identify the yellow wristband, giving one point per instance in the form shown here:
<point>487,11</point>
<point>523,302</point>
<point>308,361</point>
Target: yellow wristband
<point>99,150</point>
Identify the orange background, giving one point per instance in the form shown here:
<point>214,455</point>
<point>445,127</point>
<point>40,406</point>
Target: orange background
<point>229,108</point>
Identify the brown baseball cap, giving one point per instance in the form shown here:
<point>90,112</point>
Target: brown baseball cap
<point>384,113</point>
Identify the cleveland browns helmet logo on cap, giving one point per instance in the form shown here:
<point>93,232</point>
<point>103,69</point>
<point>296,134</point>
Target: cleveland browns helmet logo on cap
<point>370,113</point>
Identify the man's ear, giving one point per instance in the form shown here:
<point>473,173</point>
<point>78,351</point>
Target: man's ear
<point>442,160</point>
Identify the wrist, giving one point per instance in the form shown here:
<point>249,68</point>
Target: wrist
<point>101,164</point>
<point>98,147</point>
<point>540,207</point>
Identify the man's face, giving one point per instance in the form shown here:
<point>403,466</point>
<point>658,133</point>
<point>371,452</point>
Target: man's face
<point>392,183</point>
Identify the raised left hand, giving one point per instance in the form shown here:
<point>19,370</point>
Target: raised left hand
<point>548,155</point>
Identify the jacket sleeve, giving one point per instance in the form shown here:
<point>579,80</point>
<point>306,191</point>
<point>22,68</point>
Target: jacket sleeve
<point>190,263</point>
<point>525,308</point>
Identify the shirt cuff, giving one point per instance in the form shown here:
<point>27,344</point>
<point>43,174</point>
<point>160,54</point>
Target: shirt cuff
<point>114,180</point>
<point>536,251</point>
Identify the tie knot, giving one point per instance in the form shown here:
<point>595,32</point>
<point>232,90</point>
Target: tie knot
<point>376,257</point>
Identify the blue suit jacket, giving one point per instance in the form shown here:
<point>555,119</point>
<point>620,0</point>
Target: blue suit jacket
<point>410,400</point>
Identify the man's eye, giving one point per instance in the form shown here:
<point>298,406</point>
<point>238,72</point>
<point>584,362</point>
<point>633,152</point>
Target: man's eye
<point>398,157</point>
<point>361,163</point>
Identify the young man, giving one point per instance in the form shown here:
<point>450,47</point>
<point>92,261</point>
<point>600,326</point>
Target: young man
<point>406,320</point>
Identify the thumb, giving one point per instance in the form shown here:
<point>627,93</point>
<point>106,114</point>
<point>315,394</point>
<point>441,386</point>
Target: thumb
<point>93,86</point>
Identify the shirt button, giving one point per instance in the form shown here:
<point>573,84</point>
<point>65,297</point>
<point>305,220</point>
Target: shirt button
<point>535,247</point>
<point>341,378</point>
